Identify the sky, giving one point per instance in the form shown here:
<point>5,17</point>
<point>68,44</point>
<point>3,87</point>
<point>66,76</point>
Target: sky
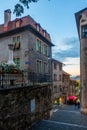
<point>58,18</point>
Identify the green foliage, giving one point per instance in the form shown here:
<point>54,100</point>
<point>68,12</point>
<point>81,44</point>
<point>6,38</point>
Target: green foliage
<point>18,10</point>
<point>19,7</point>
<point>11,69</point>
<point>26,2</point>
<point>79,84</point>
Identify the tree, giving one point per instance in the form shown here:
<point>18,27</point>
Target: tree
<point>19,7</point>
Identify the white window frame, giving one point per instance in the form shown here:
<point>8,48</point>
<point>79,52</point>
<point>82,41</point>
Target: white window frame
<point>40,70</point>
<point>39,49</point>
<point>14,43</point>
<point>45,45</point>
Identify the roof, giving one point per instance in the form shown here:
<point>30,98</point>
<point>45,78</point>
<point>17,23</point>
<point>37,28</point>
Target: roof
<point>54,60</point>
<point>66,73</point>
<point>71,79</point>
<point>78,16</point>
<point>24,22</point>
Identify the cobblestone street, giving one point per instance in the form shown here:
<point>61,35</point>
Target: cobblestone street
<point>65,118</point>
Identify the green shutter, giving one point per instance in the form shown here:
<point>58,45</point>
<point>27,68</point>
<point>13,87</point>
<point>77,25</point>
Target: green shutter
<point>17,62</point>
<point>37,45</point>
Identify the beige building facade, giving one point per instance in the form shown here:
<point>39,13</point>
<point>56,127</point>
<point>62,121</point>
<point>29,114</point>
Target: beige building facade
<point>31,53</point>
<point>81,21</point>
<point>56,79</point>
<point>65,86</point>
<point>73,89</point>
<point>32,47</point>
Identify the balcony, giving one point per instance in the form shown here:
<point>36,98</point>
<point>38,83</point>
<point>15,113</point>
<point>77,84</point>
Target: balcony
<point>8,80</point>
<point>39,78</point>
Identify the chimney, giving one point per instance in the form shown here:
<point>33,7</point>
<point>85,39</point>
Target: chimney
<point>7,18</point>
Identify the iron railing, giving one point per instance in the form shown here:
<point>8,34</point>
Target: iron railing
<point>39,78</point>
<point>23,79</point>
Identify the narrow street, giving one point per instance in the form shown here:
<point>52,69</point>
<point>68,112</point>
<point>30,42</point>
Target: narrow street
<point>66,118</point>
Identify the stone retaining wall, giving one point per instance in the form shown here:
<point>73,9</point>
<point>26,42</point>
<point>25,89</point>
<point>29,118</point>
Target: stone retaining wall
<point>15,106</point>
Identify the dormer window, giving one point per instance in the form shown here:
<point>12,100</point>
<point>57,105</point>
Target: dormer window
<point>44,33</point>
<point>38,27</point>
<point>84,31</point>
<point>18,23</point>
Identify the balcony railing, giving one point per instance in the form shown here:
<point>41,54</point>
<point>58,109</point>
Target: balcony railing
<point>23,79</point>
<point>39,78</point>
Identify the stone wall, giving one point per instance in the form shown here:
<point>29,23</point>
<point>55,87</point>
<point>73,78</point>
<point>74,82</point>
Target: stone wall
<point>16,112</point>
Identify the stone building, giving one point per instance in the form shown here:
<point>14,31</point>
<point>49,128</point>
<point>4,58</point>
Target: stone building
<point>73,88</point>
<point>32,45</point>
<point>56,79</point>
<point>81,22</point>
<point>65,86</point>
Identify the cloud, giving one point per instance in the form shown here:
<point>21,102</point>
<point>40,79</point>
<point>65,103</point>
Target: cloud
<point>72,66</point>
<point>69,48</point>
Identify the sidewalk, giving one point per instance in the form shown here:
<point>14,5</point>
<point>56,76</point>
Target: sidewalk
<point>65,107</point>
<point>69,114</point>
<point>66,118</point>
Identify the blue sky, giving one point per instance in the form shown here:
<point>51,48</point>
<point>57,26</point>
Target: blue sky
<point>57,17</point>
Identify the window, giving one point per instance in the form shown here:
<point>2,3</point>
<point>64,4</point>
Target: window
<point>84,31</point>
<point>38,27</point>
<point>16,42</point>
<point>55,77</point>
<point>60,78</point>
<point>38,45</point>
<point>44,33</point>
<point>39,66</point>
<point>45,67</point>
<point>45,49</point>
<point>17,62</point>
<point>60,88</point>
<point>55,89</point>
<point>55,65</point>
<point>17,24</point>
<point>32,104</point>
<point>60,67</point>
